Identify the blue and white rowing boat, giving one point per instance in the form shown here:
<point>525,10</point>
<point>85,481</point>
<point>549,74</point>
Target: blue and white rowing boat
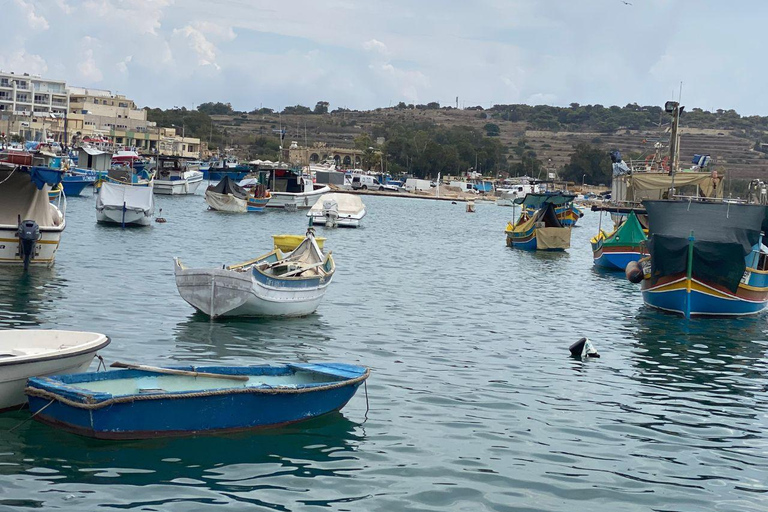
<point>147,402</point>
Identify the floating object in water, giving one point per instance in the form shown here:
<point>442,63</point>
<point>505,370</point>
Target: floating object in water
<point>634,272</point>
<point>138,404</point>
<point>583,349</point>
<point>160,219</point>
<point>470,207</point>
<point>454,202</point>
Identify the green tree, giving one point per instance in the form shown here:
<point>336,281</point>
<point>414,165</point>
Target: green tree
<point>321,107</point>
<point>588,163</point>
<point>492,130</point>
<point>215,109</point>
<point>296,109</point>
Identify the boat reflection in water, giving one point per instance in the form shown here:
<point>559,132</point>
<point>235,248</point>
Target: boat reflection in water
<point>23,295</point>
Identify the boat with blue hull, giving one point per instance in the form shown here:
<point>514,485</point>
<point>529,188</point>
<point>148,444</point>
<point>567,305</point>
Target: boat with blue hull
<point>74,184</point>
<point>567,213</point>
<point>614,251</point>
<point>705,259</point>
<point>540,230</point>
<point>148,402</point>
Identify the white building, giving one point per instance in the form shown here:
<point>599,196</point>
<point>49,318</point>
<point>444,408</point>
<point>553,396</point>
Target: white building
<point>30,95</point>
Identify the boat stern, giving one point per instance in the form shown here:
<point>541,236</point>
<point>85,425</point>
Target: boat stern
<point>214,292</point>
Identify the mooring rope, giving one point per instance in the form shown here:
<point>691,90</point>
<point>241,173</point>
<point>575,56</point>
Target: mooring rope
<point>91,405</point>
<point>31,417</point>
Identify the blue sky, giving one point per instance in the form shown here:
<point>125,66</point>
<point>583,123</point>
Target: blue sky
<point>375,53</point>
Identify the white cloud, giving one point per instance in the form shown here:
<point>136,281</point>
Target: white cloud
<point>89,69</point>
<point>36,21</point>
<point>220,32</point>
<point>374,45</point>
<point>122,66</point>
<point>196,40</point>
<point>22,62</point>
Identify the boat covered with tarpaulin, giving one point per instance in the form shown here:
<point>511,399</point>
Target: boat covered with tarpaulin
<point>275,284</point>
<point>123,200</point>
<point>540,231</point>
<point>148,402</point>
<point>336,209</point>
<point>705,258</point>
<point>626,243</point>
<point>566,211</point>
<point>30,224</point>
<point>227,196</point>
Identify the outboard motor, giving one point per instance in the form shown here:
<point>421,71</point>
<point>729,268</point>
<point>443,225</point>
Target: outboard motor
<point>331,213</point>
<point>29,234</point>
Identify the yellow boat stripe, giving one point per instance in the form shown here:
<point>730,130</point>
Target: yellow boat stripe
<point>16,240</point>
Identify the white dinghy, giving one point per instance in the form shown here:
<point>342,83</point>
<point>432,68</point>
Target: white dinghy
<point>275,284</point>
<point>343,210</point>
<point>126,200</point>
<point>26,353</point>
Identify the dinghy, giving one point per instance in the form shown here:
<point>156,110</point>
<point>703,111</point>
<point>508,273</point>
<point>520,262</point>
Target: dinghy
<point>26,353</point>
<point>275,284</point>
<point>343,210</point>
<point>148,402</point>
<point>125,199</point>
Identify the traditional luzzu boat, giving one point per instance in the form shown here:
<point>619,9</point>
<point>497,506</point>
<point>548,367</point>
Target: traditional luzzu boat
<point>125,199</point>
<point>540,230</point>
<point>615,250</point>
<point>30,224</point>
<point>705,259</point>
<point>26,353</point>
<point>275,284</point>
<point>565,210</point>
<point>148,402</point>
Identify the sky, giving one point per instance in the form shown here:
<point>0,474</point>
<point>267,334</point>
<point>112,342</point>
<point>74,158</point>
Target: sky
<point>363,54</point>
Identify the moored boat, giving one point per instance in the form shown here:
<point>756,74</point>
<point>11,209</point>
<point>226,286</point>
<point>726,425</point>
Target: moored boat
<point>227,196</point>
<point>705,259</point>
<point>176,176</point>
<point>540,230</point>
<point>290,189</point>
<point>157,402</point>
<point>625,244</point>
<point>26,353</point>
<point>124,200</point>
<point>275,284</point>
<point>567,213</point>
<point>334,209</point>
<point>30,224</point>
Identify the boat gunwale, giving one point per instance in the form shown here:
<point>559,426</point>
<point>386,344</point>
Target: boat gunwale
<point>53,388</point>
<point>27,359</point>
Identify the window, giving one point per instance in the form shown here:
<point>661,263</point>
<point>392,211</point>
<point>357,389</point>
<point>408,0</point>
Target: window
<point>22,98</point>
<point>41,98</point>
<point>123,105</point>
<point>103,102</point>
<point>4,82</point>
<point>21,84</point>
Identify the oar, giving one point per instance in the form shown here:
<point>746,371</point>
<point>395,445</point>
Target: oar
<point>170,371</point>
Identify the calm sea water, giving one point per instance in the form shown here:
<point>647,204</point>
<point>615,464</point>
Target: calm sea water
<point>474,402</point>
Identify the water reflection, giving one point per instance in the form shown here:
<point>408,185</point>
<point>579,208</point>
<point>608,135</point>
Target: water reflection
<point>24,295</point>
<point>200,338</point>
<point>323,447</point>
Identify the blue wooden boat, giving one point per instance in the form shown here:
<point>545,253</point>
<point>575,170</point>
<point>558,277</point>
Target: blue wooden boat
<point>74,184</point>
<point>147,402</point>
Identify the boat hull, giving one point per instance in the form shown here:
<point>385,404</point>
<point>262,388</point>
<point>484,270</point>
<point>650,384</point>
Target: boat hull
<point>178,413</point>
<point>74,186</point>
<point>226,293</point>
<point>45,248</point>
<point>617,258</point>
<point>185,186</point>
<point>225,202</point>
<point>257,204</point>
<point>299,200</point>
<point>110,215</point>
<point>676,294</point>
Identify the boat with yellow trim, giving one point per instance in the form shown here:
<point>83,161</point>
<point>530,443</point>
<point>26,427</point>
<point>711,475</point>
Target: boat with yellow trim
<point>705,258</point>
<point>541,230</point>
<point>626,243</point>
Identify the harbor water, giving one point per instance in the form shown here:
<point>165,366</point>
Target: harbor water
<point>473,402</point>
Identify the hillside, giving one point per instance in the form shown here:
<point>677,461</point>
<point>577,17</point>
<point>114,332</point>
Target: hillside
<point>731,148</point>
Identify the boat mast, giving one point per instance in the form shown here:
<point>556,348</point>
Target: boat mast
<point>674,108</point>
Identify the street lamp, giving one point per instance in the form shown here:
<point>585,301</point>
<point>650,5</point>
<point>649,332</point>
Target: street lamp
<point>582,180</point>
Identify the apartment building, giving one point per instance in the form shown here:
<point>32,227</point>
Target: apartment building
<point>32,106</point>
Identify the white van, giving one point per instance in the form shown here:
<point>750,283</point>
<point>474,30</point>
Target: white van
<point>365,182</point>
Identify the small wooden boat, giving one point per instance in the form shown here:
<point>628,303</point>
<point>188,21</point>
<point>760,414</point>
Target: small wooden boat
<point>615,250</point>
<point>541,231</point>
<point>288,243</point>
<point>343,210</point>
<point>275,284</point>
<point>26,353</point>
<point>227,196</point>
<point>151,402</point>
<point>126,203</point>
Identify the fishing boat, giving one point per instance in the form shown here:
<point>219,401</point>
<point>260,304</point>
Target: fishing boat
<point>92,164</point>
<point>540,230</point>
<point>258,194</point>
<point>287,243</point>
<point>26,353</point>
<point>705,258</point>
<point>343,210</point>
<point>275,284</point>
<point>291,189</point>
<point>125,199</point>
<point>227,196</point>
<point>566,212</point>
<point>175,176</point>
<point>228,167</point>
<point>626,243</point>
<point>73,184</point>
<point>148,402</point>
<point>30,224</point>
